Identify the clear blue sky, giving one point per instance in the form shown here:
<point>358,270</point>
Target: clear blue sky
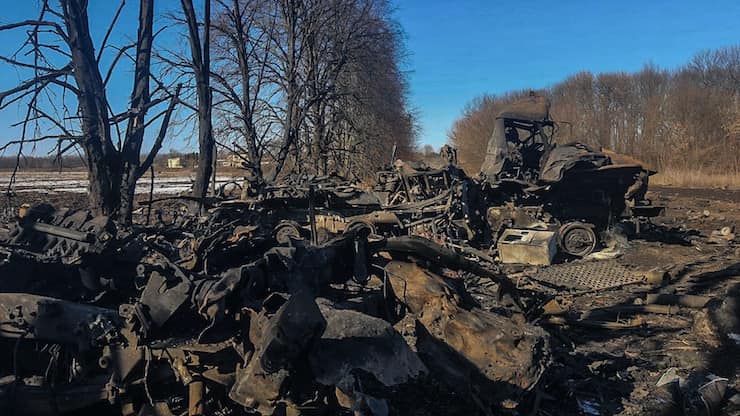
<point>101,13</point>
<point>461,49</point>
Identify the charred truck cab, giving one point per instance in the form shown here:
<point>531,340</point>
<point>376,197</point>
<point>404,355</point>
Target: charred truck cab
<point>532,182</point>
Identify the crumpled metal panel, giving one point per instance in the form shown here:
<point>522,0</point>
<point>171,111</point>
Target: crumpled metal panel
<point>503,357</point>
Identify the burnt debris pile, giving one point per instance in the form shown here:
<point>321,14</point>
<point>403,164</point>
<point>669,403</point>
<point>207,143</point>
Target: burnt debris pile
<point>227,313</point>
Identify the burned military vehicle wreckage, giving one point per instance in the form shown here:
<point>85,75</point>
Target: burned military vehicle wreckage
<point>572,188</point>
<point>527,182</point>
<point>219,314</point>
<point>311,296</point>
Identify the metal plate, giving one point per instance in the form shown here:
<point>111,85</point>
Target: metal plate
<point>588,276</point>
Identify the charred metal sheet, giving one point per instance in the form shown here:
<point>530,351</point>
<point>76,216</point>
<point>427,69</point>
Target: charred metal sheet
<point>586,276</point>
<point>163,296</point>
<point>352,341</point>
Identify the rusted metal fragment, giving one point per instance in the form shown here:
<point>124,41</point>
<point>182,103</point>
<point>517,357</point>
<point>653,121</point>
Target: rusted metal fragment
<point>621,310</point>
<point>256,388</point>
<point>196,401</point>
<point>691,301</point>
<point>588,323</point>
<point>444,257</point>
<point>504,357</point>
<point>279,341</point>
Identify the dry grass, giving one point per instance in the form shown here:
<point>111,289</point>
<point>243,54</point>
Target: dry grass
<point>696,179</point>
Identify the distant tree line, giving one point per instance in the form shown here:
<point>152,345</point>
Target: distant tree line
<point>77,162</point>
<point>687,118</point>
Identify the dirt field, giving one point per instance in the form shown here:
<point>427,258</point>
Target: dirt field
<point>697,179</point>
<point>168,181</point>
<point>597,371</point>
<point>608,372</point>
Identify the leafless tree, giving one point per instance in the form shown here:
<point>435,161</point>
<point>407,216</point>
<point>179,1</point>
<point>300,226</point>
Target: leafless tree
<point>356,92</point>
<point>287,42</point>
<point>372,117</point>
<point>243,35</point>
<point>339,33</point>
<point>312,85</point>
<point>62,35</point>
<point>200,51</point>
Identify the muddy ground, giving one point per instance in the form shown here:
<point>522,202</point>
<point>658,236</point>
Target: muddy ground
<point>617,371</point>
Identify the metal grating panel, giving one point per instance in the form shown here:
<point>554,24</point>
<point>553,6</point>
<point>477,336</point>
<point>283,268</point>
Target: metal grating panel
<point>588,275</point>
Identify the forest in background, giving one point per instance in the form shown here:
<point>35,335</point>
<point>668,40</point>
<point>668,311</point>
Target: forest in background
<point>683,122</point>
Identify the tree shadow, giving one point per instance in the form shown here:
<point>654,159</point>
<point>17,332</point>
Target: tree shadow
<point>591,373</point>
<point>659,233</point>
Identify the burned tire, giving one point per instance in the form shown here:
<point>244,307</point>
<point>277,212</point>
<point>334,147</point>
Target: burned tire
<point>287,230</point>
<point>360,226</point>
<point>323,235</point>
<point>577,239</point>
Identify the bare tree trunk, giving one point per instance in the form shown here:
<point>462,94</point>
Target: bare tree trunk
<point>323,140</point>
<point>202,67</point>
<point>319,143</point>
<point>247,104</point>
<point>140,100</point>
<point>112,169</point>
<point>103,159</point>
<point>291,122</point>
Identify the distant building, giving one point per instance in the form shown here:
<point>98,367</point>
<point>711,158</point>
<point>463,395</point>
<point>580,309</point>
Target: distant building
<point>234,160</point>
<point>174,163</point>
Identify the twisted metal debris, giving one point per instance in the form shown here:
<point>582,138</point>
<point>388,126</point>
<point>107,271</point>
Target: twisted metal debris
<point>228,314</point>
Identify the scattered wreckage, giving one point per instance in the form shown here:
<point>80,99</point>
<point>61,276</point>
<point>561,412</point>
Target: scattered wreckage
<point>218,315</point>
<point>311,296</point>
<point>532,199</point>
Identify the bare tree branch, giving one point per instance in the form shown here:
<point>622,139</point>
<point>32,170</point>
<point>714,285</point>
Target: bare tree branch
<point>110,30</point>
<point>36,24</point>
<point>162,132</point>
<point>34,82</point>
